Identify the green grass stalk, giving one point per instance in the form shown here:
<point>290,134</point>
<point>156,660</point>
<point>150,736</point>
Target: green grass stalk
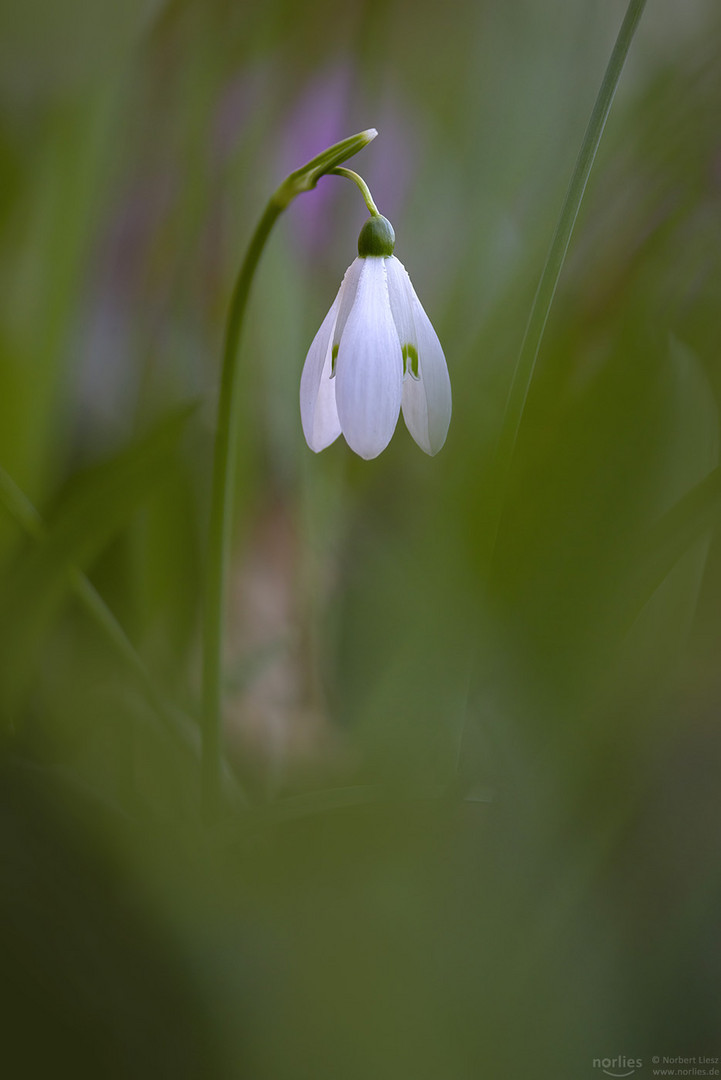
<point>546,291</point>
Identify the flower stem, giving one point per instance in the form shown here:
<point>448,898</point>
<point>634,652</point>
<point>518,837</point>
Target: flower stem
<point>221,518</point>
<point>542,301</point>
<point>221,497</point>
<point>365,190</point>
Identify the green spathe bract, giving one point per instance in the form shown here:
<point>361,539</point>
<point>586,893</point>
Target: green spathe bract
<point>376,238</point>
<point>305,178</point>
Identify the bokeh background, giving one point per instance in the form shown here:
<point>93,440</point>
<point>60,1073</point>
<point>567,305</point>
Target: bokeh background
<point>473,803</point>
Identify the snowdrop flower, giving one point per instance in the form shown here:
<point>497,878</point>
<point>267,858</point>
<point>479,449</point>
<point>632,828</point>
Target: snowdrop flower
<point>375,353</point>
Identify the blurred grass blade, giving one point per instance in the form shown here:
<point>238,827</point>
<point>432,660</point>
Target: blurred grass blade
<point>95,505</point>
<point>691,506</point>
<point>26,515</point>
<point>692,517</point>
<point>542,301</point>
<point>19,506</point>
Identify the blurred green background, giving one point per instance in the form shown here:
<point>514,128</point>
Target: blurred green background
<point>473,812</point>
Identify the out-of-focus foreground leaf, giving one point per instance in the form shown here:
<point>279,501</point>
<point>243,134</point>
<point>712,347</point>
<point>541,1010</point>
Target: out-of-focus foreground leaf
<point>95,504</point>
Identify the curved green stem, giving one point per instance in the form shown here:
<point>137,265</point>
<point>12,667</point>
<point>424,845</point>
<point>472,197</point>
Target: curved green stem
<point>221,498</point>
<point>542,301</point>
<point>365,190</point>
<point>221,516</point>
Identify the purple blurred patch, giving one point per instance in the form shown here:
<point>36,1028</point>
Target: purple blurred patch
<point>319,118</point>
<point>129,288</point>
<point>328,111</point>
<point>390,167</point>
<point>239,102</point>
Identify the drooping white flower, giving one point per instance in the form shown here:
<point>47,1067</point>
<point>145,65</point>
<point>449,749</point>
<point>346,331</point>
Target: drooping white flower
<point>375,353</point>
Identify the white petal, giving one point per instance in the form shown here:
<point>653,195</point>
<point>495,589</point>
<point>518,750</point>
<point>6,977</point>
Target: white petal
<point>427,398</point>
<point>400,293</point>
<point>347,295</point>
<point>369,371</point>
<point>318,412</point>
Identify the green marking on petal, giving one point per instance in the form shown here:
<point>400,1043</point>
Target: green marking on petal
<point>333,356</point>
<point>410,353</point>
